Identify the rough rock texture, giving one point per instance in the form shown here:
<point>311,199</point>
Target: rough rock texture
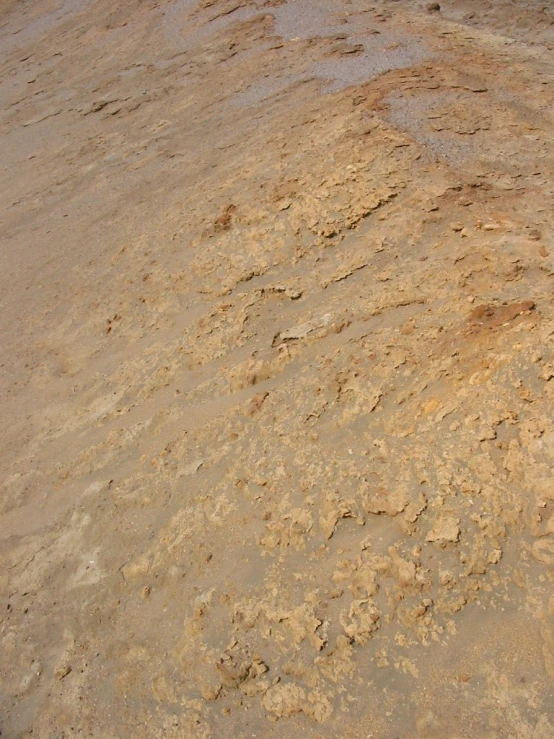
<point>277,369</point>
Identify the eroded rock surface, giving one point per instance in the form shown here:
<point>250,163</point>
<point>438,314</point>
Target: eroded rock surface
<point>277,369</point>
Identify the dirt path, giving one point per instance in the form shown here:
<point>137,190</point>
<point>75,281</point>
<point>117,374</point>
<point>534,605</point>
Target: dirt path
<point>277,374</point>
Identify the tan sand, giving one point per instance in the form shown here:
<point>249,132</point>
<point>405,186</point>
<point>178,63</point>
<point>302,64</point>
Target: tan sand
<point>277,371</point>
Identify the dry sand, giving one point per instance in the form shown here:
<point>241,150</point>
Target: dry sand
<point>277,370</point>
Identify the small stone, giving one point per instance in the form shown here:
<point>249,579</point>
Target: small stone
<point>534,235</point>
<point>62,672</point>
<point>433,8</point>
<point>495,556</point>
<point>209,693</point>
<point>445,530</point>
<point>145,592</point>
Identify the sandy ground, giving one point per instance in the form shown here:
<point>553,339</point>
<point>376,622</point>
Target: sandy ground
<point>277,376</point>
